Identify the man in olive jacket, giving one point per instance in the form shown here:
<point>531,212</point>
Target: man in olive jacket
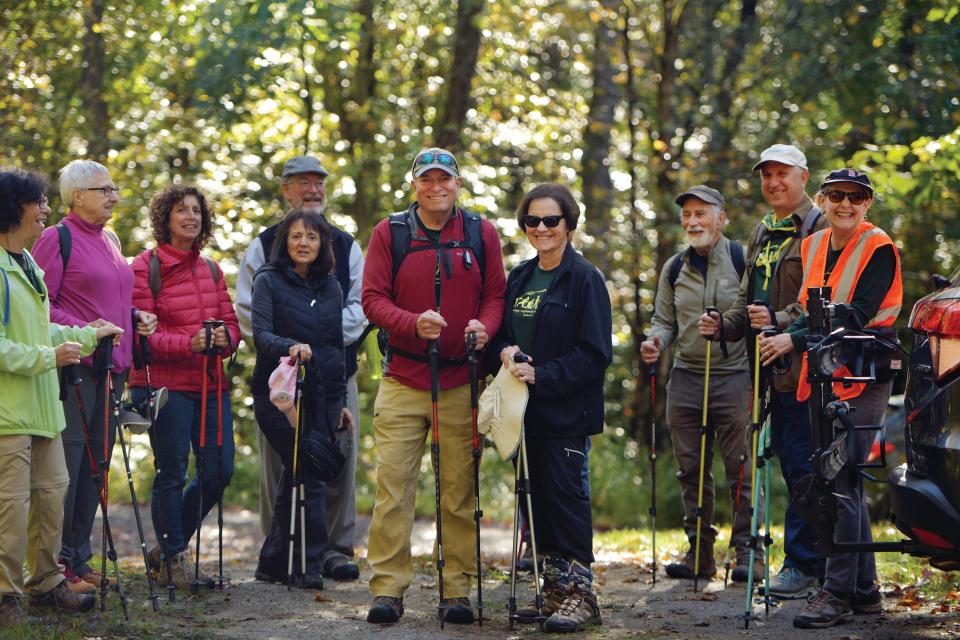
<point>708,277</point>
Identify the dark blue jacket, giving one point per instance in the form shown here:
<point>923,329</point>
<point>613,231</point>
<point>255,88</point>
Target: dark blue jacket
<point>572,347</point>
<point>289,310</point>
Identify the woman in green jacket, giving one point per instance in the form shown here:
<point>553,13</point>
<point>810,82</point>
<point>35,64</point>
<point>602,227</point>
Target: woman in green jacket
<point>33,475</point>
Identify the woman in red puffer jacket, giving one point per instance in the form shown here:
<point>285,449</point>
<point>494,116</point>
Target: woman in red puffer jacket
<point>186,291</point>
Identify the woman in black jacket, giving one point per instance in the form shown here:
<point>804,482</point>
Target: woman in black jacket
<point>297,308</point>
<point>558,313</point>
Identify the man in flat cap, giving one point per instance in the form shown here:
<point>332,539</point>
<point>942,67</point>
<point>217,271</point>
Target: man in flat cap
<point>773,277</point>
<point>303,183</point>
<point>707,273</point>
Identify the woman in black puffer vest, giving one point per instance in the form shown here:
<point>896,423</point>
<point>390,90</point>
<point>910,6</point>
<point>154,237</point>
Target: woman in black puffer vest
<point>297,308</point>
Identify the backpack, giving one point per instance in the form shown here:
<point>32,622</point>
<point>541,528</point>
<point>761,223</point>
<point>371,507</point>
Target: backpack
<point>154,270</point>
<point>403,227</point>
<point>736,254</point>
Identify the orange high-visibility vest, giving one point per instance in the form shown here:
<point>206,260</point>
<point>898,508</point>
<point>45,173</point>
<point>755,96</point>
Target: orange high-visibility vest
<point>843,282</point>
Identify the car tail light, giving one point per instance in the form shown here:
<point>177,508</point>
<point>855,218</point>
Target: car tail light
<point>931,539</point>
<point>941,322</point>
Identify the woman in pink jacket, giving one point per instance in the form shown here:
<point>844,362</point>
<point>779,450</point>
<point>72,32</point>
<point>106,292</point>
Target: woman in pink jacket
<point>186,291</point>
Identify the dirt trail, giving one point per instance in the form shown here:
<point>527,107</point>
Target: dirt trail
<point>631,606</point>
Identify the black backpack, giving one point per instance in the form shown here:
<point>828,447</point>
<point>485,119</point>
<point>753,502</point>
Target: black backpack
<point>403,226</point>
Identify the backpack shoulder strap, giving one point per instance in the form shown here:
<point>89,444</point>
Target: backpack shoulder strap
<point>65,239</point>
<point>473,236</point>
<point>401,230</point>
<point>739,260</point>
<point>810,222</point>
<point>6,298</point>
<point>113,238</point>
<point>214,269</point>
<point>676,264</point>
<point>154,272</point>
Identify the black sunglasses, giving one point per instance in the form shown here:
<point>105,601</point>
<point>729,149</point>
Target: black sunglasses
<point>532,222</point>
<point>855,197</point>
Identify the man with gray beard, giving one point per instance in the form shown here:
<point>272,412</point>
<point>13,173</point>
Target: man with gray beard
<point>705,274</point>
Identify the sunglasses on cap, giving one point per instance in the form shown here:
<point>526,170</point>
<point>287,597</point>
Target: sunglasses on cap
<point>430,157</point>
<point>836,196</point>
<point>532,222</point>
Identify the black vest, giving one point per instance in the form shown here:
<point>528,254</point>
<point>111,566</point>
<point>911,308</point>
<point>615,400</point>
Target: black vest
<point>342,243</point>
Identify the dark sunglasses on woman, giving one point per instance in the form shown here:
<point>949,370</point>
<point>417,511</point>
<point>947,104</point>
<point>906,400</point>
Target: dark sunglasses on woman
<point>836,196</point>
<point>532,222</point>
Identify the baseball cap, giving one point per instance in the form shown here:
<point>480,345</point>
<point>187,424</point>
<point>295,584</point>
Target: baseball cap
<point>848,175</point>
<point>784,153</point>
<point>435,158</point>
<point>703,192</point>
<point>501,410</point>
<point>302,164</point>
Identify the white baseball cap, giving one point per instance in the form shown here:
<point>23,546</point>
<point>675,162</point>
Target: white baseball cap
<point>783,153</point>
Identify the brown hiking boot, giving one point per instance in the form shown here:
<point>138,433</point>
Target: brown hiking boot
<point>553,596</point>
<point>580,606</point>
<point>741,571</point>
<point>385,610</point>
<point>183,573</point>
<point>62,599</point>
<point>95,578</point>
<point>684,568</point>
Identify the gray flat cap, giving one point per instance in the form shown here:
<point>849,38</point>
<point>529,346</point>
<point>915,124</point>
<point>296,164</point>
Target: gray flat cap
<point>302,164</point>
<point>703,192</point>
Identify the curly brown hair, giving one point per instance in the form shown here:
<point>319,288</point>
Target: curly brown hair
<point>161,205</point>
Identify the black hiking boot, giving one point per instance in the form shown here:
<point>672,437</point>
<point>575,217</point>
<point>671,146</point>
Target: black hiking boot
<point>684,568</point>
<point>385,609</point>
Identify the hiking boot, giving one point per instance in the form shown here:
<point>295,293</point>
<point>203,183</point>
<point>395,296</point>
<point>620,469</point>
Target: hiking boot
<point>553,596</point>
<point>579,607</point>
<point>791,584</point>
<point>867,603</point>
<point>75,584</point>
<point>823,610</point>
<point>684,568</point>
<point>385,609</point>
<point>12,613</point>
<point>741,572</point>
<point>154,559</point>
<point>94,577</point>
<point>340,568</point>
<point>309,581</point>
<point>183,573</point>
<point>457,610</point>
<point>62,599</point>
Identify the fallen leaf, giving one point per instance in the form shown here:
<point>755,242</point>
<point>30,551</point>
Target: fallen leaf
<point>708,596</point>
<point>319,597</point>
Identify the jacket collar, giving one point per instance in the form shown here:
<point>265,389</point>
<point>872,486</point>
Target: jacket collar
<point>83,225</point>
<point>170,255</point>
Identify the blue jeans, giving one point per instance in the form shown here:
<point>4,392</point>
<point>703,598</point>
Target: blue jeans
<point>177,431</point>
<point>793,444</point>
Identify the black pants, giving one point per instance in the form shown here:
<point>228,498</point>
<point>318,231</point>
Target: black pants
<point>274,553</point>
<point>563,521</point>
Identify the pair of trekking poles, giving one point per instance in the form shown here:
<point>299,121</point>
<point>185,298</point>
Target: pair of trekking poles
<point>433,358</point>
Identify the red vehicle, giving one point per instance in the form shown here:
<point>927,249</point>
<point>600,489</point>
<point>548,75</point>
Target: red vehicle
<point>925,491</point>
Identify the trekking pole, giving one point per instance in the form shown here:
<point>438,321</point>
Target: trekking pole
<point>652,456</point>
<point>219,363</point>
<point>145,361</point>
<point>768,599</point>
<point>733,525</point>
<point>754,502</point>
<point>433,356</point>
<point>107,343</point>
<point>72,379</point>
<point>476,452</point>
<point>522,487</point>
<point>202,451</point>
<point>295,483</point>
<point>703,452</point>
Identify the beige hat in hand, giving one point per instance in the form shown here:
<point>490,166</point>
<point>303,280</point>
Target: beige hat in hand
<point>502,406</point>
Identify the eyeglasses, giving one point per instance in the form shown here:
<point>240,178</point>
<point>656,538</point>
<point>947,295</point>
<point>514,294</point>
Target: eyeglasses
<point>106,191</point>
<point>431,157</point>
<point>855,197</point>
<point>532,222</point>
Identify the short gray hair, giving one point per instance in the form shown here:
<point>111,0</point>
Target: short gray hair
<point>77,175</point>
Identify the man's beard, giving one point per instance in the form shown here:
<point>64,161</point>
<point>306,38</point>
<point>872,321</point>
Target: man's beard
<point>314,207</point>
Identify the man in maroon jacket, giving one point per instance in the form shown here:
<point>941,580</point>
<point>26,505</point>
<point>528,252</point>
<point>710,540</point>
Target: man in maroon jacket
<point>434,293</point>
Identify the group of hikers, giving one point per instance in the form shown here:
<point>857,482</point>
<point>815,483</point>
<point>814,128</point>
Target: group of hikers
<point>79,323</point>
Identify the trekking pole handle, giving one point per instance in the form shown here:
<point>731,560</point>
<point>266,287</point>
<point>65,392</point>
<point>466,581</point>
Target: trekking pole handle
<point>70,375</point>
<point>520,356</point>
<point>105,346</point>
<point>145,349</point>
<point>208,327</point>
<point>471,344</point>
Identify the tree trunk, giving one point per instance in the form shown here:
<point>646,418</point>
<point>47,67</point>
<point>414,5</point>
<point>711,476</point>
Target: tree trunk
<point>597,185</point>
<point>92,87</point>
<point>463,67</point>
